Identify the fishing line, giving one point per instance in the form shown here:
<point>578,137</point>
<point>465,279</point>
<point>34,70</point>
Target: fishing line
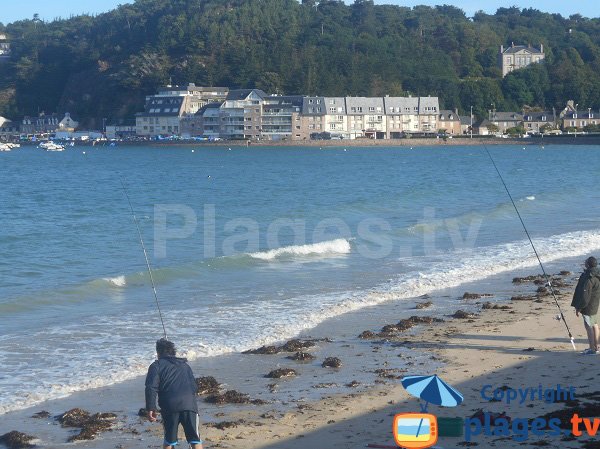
<point>146,257</point>
<point>548,281</point>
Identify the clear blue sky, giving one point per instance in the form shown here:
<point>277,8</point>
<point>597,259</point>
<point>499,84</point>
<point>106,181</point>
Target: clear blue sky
<point>11,10</point>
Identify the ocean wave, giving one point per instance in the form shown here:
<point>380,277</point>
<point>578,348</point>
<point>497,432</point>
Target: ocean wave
<point>498,212</point>
<point>117,281</point>
<point>237,326</point>
<point>335,247</point>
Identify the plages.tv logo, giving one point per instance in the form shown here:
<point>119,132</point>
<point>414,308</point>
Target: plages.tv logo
<point>415,430</point>
<point>420,430</point>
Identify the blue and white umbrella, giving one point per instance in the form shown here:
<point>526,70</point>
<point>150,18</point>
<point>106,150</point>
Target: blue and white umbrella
<point>432,390</point>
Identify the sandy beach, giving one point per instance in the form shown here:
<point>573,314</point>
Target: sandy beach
<point>515,343</point>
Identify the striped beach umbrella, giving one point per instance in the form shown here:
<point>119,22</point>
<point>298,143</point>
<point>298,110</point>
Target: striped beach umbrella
<point>432,390</point>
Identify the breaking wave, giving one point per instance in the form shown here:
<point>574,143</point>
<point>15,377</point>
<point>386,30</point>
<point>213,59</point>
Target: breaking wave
<point>336,248</point>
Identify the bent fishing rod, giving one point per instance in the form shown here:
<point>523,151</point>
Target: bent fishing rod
<point>146,257</point>
<point>548,280</point>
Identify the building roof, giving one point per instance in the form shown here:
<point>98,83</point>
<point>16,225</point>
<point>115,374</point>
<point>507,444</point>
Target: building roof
<point>242,94</point>
<point>365,103</point>
<point>284,100</point>
<point>163,106</point>
<point>448,116</point>
<point>519,48</point>
<point>544,116</point>
<point>506,117</point>
<point>339,103</point>
<point>313,106</point>
<point>582,114</point>
<point>466,120</point>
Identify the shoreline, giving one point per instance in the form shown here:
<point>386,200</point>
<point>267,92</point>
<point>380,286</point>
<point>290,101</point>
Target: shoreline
<point>348,416</point>
<point>583,139</point>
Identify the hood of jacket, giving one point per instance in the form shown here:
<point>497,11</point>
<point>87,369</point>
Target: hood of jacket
<point>179,360</point>
<point>593,272</point>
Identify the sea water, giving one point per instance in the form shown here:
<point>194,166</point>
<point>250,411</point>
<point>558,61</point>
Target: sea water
<point>251,246</point>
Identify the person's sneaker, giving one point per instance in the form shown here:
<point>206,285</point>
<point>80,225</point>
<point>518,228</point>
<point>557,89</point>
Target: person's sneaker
<point>589,351</point>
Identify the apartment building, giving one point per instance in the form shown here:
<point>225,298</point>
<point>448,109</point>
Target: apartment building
<point>312,118</point>
<point>281,117</point>
<point>366,117</point>
<point>164,111</point>
<point>449,122</point>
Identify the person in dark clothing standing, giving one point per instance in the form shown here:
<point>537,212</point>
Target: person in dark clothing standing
<point>171,379</point>
<point>586,300</point>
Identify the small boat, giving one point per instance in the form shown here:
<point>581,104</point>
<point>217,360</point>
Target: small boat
<point>51,146</point>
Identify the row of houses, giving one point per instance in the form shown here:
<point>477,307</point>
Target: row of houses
<point>254,114</point>
<point>219,113</point>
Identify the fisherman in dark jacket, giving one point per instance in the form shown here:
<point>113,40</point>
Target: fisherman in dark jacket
<point>171,379</point>
<point>586,300</point>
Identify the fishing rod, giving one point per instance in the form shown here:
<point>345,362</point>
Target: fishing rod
<point>146,257</point>
<point>548,280</point>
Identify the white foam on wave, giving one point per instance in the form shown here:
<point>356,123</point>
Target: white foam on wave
<point>335,247</point>
<point>241,326</point>
<point>117,281</point>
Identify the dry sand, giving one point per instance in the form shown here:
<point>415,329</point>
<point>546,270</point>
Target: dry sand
<point>523,346</point>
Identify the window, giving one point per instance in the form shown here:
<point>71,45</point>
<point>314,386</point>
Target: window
<point>352,109</point>
<point>318,101</point>
<point>332,101</point>
<point>371,109</point>
<point>310,101</point>
<point>332,126</point>
<point>574,115</point>
<point>311,126</point>
<point>378,108</point>
<point>332,110</point>
<point>340,118</point>
<point>359,109</point>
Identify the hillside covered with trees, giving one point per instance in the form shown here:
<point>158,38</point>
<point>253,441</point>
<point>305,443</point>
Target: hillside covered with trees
<point>103,66</point>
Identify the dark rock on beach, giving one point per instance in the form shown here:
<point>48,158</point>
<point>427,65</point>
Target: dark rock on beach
<point>225,424</point>
<point>293,345</point>
<point>91,425</point>
<point>423,305</point>
<point>281,372</point>
<point>268,350</point>
<point>468,295</point>
<point>489,305</point>
<point>332,362</point>
<point>388,373</point>
<point>41,415</point>
<point>532,278</point>
<point>390,330</point>
<point>143,413</point>
<point>523,298</point>
<point>296,345</point>
<point>16,440</point>
<point>232,397</point>
<point>564,273</point>
<point>542,291</point>
<point>207,385</point>
<point>462,315</point>
<point>75,417</point>
<point>353,384</point>
<point>301,357</point>
<point>367,334</point>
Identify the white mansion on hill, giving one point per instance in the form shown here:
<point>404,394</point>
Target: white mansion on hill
<point>217,112</point>
<point>519,56</point>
